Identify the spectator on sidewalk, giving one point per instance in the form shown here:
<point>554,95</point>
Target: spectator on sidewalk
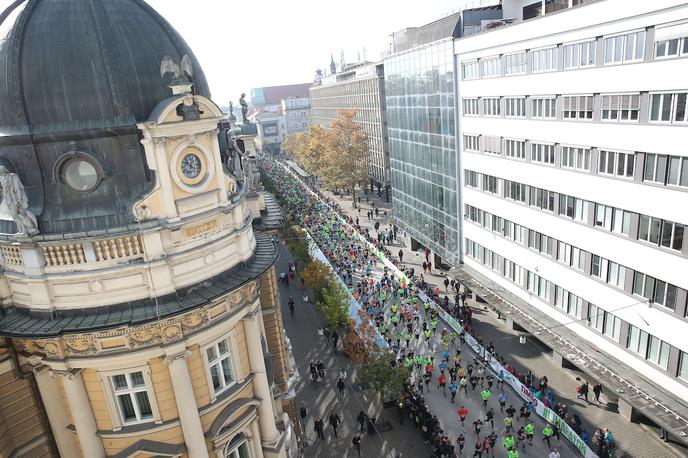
<point>583,392</point>
<point>401,255</point>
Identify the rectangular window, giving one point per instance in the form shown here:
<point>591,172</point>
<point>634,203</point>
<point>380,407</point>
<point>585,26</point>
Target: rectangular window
<point>570,255</point>
<point>616,274</point>
<point>545,60</point>
<point>624,48</point>
<point>612,326</point>
<point>577,106</point>
<point>515,64</point>
<point>637,341</point>
<point>616,163</point>
<point>671,41</point>
<point>663,169</point>
<point>515,148</point>
<point>515,107</point>
<point>542,198</point>
<point>658,352</point>
<point>569,303</point>
<point>661,232</point>
<point>613,219</point>
<point>491,144</point>
<point>573,207</point>
<point>542,153</point>
<point>544,107</point>
<point>575,158</point>
<point>469,70</point>
<point>471,178</point>
<point>491,106</point>
<point>620,107</point>
<point>491,67</point>
<point>596,317</point>
<point>579,55</point>
<point>515,191</point>
<point>220,366</point>
<point>654,290</point>
<point>683,365</point>
<point>131,395</point>
<point>471,143</point>
<point>669,108</point>
<point>470,107</point>
<point>490,184</point>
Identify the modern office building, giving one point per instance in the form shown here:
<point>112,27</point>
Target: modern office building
<point>359,87</point>
<point>140,313</point>
<point>575,188</point>
<point>419,90</point>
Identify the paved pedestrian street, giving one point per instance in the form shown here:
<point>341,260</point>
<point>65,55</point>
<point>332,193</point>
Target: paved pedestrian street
<point>322,399</point>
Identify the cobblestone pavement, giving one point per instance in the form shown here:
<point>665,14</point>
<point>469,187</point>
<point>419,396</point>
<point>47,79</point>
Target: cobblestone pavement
<point>637,440</point>
<point>322,399</point>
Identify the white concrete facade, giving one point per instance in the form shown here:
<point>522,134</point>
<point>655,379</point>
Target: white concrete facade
<point>538,182</point>
<point>360,88</point>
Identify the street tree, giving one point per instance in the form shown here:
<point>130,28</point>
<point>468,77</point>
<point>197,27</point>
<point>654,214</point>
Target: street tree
<point>359,343</point>
<point>297,242</point>
<point>308,148</point>
<point>383,375</point>
<point>334,304</point>
<point>346,155</point>
<point>315,276</point>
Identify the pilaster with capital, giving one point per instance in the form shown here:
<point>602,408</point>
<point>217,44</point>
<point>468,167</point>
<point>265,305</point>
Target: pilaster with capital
<point>261,388</point>
<point>82,413</point>
<point>175,360</point>
<point>54,408</point>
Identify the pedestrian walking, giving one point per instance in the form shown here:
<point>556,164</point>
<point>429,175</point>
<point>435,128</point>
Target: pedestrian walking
<point>508,421</point>
<point>340,387</point>
<point>334,422</point>
<point>556,433</point>
<point>583,392</point>
<point>461,441</point>
<point>401,255</point>
<point>597,391</point>
<point>502,401</point>
<point>361,419</point>
<point>319,427</point>
<point>509,441</point>
<point>477,426</point>
<point>554,454</point>
<point>356,442</point>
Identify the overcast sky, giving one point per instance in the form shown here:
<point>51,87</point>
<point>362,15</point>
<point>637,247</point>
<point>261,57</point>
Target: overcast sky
<point>255,43</point>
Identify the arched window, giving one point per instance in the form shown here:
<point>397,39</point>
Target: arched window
<point>238,447</point>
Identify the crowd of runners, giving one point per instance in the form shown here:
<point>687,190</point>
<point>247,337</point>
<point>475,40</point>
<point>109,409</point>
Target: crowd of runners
<point>436,354</point>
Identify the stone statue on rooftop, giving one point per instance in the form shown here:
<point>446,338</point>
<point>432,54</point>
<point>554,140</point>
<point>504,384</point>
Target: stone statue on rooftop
<point>16,202</point>
<point>244,107</point>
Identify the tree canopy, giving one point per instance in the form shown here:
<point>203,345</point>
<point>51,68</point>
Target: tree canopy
<point>337,155</point>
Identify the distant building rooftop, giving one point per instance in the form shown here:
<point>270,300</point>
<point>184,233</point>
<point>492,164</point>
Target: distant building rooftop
<point>273,95</point>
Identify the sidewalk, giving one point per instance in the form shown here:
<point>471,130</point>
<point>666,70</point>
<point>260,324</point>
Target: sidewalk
<point>321,399</point>
<point>636,440</point>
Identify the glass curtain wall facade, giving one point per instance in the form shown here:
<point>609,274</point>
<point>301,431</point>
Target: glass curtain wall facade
<point>419,86</point>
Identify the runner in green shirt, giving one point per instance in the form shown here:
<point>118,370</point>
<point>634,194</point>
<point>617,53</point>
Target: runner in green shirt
<point>485,394</point>
<point>512,453</point>
<point>547,433</point>
<point>530,430</point>
<point>509,441</point>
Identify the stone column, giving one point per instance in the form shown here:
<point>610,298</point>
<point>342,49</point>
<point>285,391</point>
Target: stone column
<point>54,408</point>
<point>266,414</point>
<point>186,404</point>
<point>255,442</point>
<point>82,414</point>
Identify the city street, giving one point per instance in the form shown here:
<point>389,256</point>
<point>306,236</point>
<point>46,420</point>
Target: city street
<point>635,439</point>
<point>324,400</point>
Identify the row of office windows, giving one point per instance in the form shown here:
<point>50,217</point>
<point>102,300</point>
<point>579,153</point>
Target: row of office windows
<point>661,107</point>
<point>634,339</point>
<point>621,48</point>
<point>654,290</point>
<point>655,231</point>
<point>651,168</point>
